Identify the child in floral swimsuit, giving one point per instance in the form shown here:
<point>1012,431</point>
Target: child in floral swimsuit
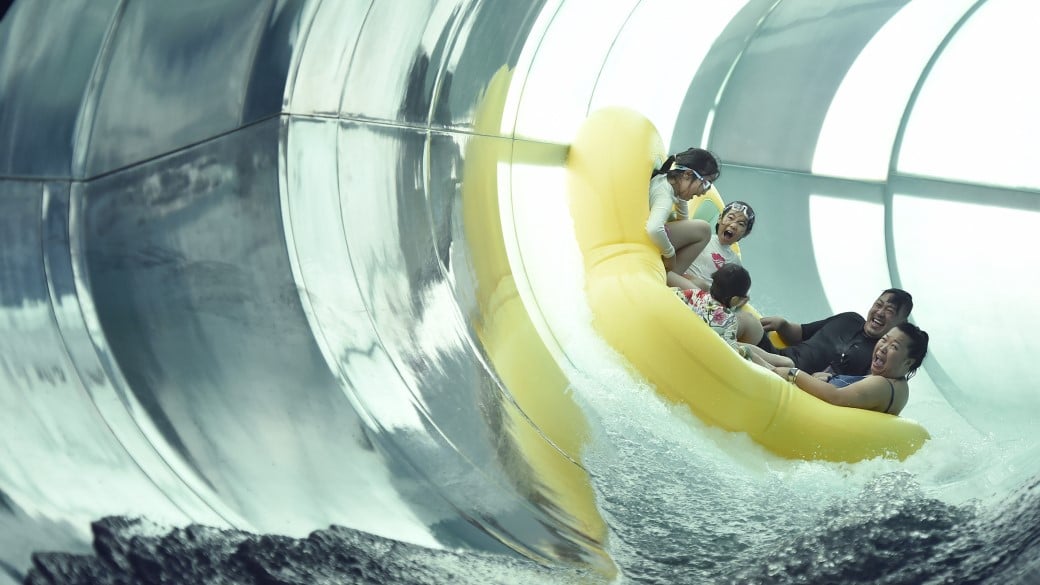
<point>718,308</point>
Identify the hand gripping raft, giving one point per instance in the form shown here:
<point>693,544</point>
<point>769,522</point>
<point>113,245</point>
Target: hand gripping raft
<point>609,167</point>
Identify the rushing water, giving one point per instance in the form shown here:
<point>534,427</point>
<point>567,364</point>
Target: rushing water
<point>685,504</point>
<point>692,505</point>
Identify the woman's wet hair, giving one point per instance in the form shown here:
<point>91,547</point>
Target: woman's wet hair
<point>732,280</point>
<point>744,208</point>
<point>698,159</point>
<point>918,347</point>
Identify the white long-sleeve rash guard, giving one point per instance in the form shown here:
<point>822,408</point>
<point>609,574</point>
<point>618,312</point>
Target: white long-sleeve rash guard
<point>662,202</point>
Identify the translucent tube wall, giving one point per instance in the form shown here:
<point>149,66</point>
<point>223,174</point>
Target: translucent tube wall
<point>282,264</point>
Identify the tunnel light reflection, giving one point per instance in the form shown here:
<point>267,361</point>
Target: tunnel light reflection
<point>980,259</point>
<point>564,70</point>
<point>849,243</point>
<point>317,87</point>
<point>965,113</point>
<point>650,77</point>
<point>551,281</point>
<point>653,77</point>
<point>860,128</point>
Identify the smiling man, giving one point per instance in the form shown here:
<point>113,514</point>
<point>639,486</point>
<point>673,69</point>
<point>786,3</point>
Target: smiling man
<point>842,344</point>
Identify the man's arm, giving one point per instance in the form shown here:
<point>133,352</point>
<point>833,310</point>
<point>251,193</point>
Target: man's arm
<point>790,333</point>
<point>793,333</point>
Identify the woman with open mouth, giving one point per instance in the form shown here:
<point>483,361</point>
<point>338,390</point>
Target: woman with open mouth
<point>897,355</point>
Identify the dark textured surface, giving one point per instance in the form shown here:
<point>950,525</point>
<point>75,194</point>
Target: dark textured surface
<point>136,551</point>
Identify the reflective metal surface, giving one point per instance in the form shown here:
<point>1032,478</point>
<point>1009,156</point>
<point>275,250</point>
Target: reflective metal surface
<point>47,72</point>
<point>171,60</point>
<point>254,304</point>
<point>280,264</point>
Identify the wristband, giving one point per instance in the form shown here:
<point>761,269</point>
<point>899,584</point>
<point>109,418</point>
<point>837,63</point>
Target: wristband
<point>792,375</point>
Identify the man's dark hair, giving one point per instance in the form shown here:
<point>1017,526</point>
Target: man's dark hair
<point>901,299</point>
<point>732,280</point>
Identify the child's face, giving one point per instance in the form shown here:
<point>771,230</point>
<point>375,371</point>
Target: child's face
<point>688,186</point>
<point>732,227</point>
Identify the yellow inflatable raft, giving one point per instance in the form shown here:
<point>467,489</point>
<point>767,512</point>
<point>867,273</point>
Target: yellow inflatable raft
<point>609,166</point>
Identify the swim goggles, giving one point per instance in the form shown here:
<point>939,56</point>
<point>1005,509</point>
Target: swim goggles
<point>742,208</point>
<point>704,182</point>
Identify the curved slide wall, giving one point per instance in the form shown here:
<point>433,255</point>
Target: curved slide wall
<point>280,265</point>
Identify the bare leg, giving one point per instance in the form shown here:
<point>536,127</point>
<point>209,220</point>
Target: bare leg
<point>689,236</point>
<point>749,329</point>
<point>680,281</point>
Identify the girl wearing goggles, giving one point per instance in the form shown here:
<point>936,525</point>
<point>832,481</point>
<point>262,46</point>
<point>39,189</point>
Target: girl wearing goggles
<point>680,239</point>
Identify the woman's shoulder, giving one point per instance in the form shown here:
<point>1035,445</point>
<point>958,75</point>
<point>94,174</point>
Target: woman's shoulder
<point>879,379</point>
<point>896,381</point>
<point>897,385</point>
<point>870,381</point>
<point>890,394</point>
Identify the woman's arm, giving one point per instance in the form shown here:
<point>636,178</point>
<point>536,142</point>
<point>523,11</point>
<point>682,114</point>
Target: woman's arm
<point>870,393</point>
<point>772,360</point>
